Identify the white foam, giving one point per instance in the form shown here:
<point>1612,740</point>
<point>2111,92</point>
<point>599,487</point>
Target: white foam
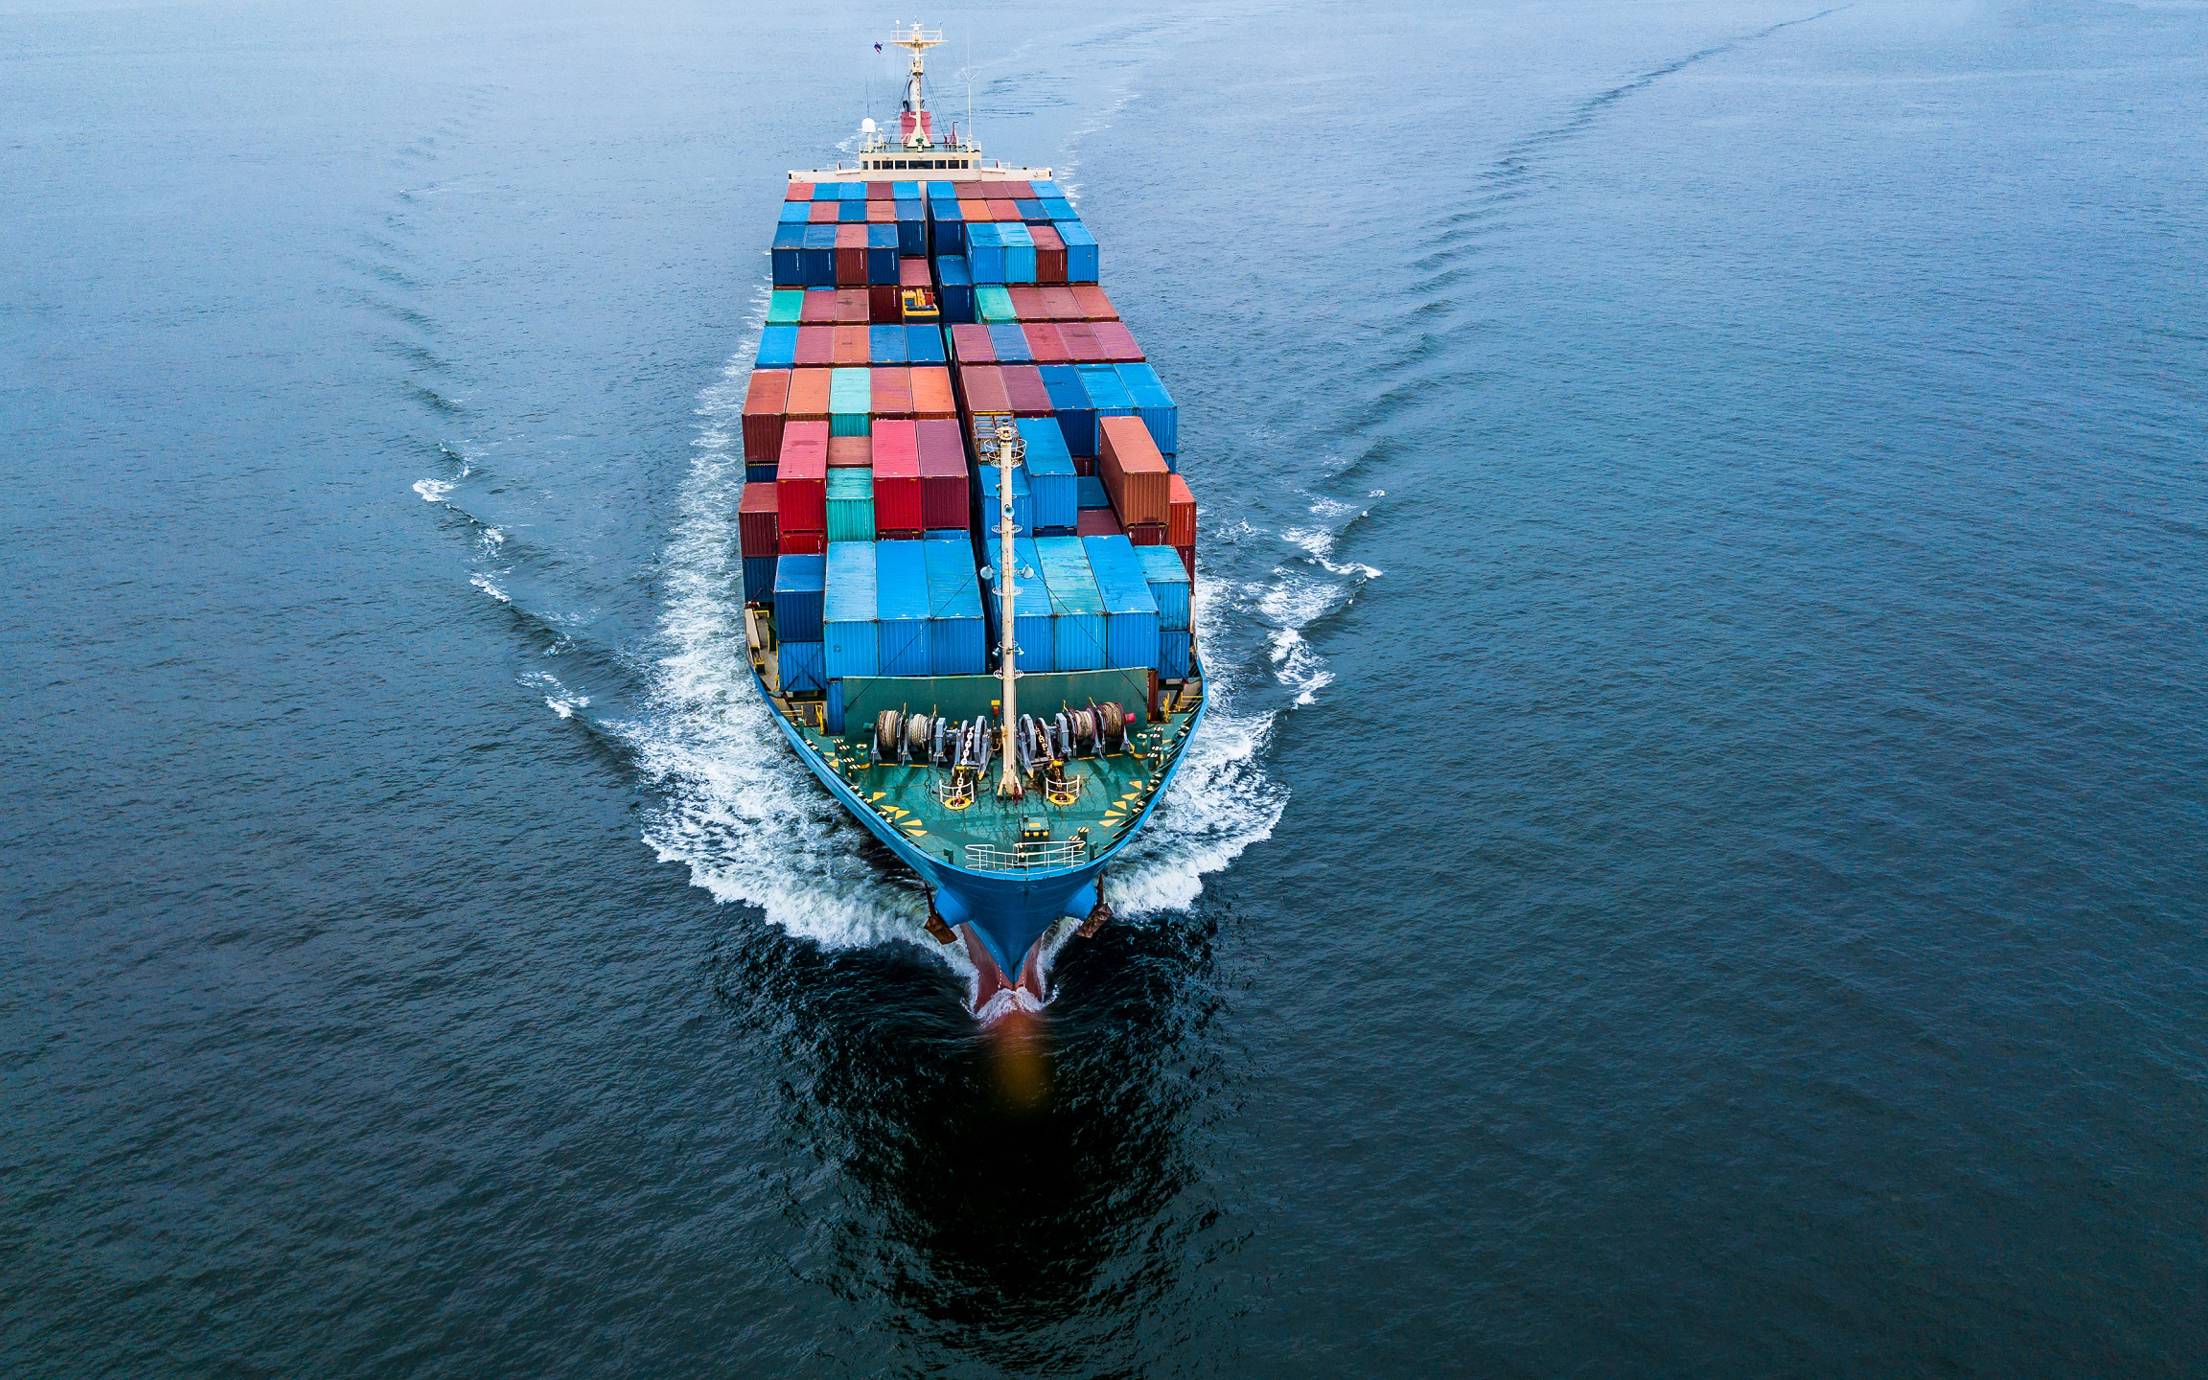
<point>433,490</point>
<point>483,581</point>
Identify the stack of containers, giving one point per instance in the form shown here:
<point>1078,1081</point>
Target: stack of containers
<point>1131,615</point>
<point>943,486</point>
<point>850,501</point>
<point>801,490</point>
<point>1076,607</point>
<point>850,645</point>
<point>1172,589</point>
<point>901,608</point>
<point>1136,478</point>
<point>1032,620</point>
<point>898,509</point>
<point>1053,487</point>
<point>766,399</point>
<point>1023,501</point>
<point>798,584</point>
<point>955,638</point>
<point>758,539</point>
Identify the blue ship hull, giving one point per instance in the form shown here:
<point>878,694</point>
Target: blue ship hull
<point>1007,912</point>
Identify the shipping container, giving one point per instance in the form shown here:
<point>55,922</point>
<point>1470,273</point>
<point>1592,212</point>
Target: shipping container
<point>957,641</point>
<point>798,585</point>
<point>882,244</point>
<point>801,668</point>
<point>817,257</point>
<point>1019,253</point>
<point>924,345</point>
<point>850,255</point>
<point>786,256</point>
<point>943,487</point>
<point>1076,608</point>
<point>766,397</point>
<point>757,532</point>
<point>796,542</point>
<point>1133,472</point>
<point>847,345</point>
<point>818,308</point>
<point>785,306</point>
<point>1052,485</point>
<point>850,505</point>
<point>1081,255</point>
<point>993,304</point>
<point>798,191</point>
<point>801,478</point>
<point>931,394</point>
<point>1023,502</point>
<point>756,472</point>
<point>850,644</point>
<point>1098,522</point>
<point>1147,533</point>
<point>898,506</point>
<point>814,346</point>
<point>808,400</point>
<point>1169,586</point>
<point>1032,620</point>
<point>1076,416</point>
<point>777,347</point>
<point>901,607</point>
<point>1115,344</point>
<point>1153,404</point>
<point>1008,343</point>
<point>1131,619</point>
<point>983,385</point>
<point>1091,303</point>
<point>758,574</point>
<point>1050,255</point>
<point>1090,491</point>
<point>1180,512</point>
<point>850,402</point>
<point>850,452</point>
<point>971,343</point>
<point>1175,657</point>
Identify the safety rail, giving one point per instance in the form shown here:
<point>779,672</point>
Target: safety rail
<point>1026,857</point>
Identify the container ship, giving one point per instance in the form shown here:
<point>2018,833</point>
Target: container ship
<point>968,552</point>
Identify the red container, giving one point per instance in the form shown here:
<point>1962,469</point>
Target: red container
<point>1045,344</point>
<point>851,256</point>
<point>942,473</point>
<point>1146,533</point>
<point>931,392</point>
<point>1027,303</point>
<point>803,543</point>
<point>984,388</point>
<point>1091,304</point>
<point>1023,388</point>
<point>1084,465</point>
<point>801,480</point>
<point>765,398</point>
<point>879,212</point>
<point>1116,342</point>
<point>1097,522</point>
<point>1133,472</point>
<point>798,191</point>
<point>879,191</point>
<point>970,344</point>
<point>1188,558</point>
<point>757,532</point>
<point>1180,513</point>
<point>1050,255</point>
<point>850,452</point>
<point>1080,338</point>
<point>822,213</point>
<point>853,307</point>
<point>899,506</point>
<point>1014,191</point>
<point>883,305</point>
<point>849,346</point>
<point>892,395</point>
<point>913,273</point>
<point>818,308</point>
<point>816,346</point>
<point>808,396</point>
<point>1000,209</point>
<point>1058,304</point>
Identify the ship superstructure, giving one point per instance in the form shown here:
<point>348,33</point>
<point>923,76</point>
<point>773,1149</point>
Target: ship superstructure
<point>968,551</point>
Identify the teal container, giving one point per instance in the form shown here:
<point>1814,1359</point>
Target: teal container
<point>993,304</point>
<point>850,505</point>
<point>783,308</point>
<point>850,402</point>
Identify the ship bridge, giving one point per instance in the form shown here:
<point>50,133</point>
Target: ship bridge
<point>915,152</point>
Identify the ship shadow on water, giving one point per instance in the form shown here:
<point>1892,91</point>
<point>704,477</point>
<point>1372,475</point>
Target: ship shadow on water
<point>1019,1208</point>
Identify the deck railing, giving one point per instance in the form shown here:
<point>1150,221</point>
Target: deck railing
<point>1027,857</point>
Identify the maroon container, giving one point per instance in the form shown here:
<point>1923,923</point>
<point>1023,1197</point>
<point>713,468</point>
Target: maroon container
<point>1023,388</point>
<point>1146,533</point>
<point>1050,255</point>
<point>1188,558</point>
<point>970,344</point>
<point>884,304</point>
<point>879,191</point>
<point>757,532</point>
<point>1012,191</point>
<point>764,400</point>
<point>1097,522</point>
<point>1080,340</point>
<point>816,346</point>
<point>801,480</point>
<point>851,256</point>
<point>913,273</point>
<point>1045,344</point>
<point>1116,342</point>
<point>983,385</point>
<point>899,509</point>
<point>942,455</point>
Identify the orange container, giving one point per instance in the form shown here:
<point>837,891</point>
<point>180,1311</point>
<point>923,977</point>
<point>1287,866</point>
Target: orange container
<point>850,452</point>
<point>808,395</point>
<point>1133,472</point>
<point>1180,514</point>
<point>850,345</point>
<point>931,393</point>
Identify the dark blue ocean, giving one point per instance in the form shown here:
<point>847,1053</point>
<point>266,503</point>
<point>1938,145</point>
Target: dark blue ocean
<point>1699,864</point>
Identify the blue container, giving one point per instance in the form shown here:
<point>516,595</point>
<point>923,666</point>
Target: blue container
<point>957,534</point>
<point>1060,212</point>
<point>924,344</point>
<point>943,191</point>
<point>1031,614</point>
<point>886,345</point>
<point>1019,252</point>
<point>851,213</point>
<point>957,638</point>
<point>1108,395</point>
<point>955,277</point>
<point>901,607</point>
<point>1054,490</point>
<point>1076,608</point>
<point>1130,613</point>
<point>985,252</point>
<point>832,713</point>
<point>912,229</point>
<point>906,190</point>
<point>1076,417</point>
<point>1030,209</point>
<point>799,583</point>
<point>818,257</point>
<point>1092,493</point>
<point>757,470</point>
<point>1080,252</point>
<point>759,579</point>
<point>778,347</point>
<point>1006,339</point>
<point>1044,189</point>
<point>1023,503</point>
<point>802,667</point>
<point>1153,404</point>
<point>795,213</point>
<point>852,647</point>
<point>881,254</point>
<point>1173,650</point>
<point>787,257</point>
<point>1169,586</point>
<point>850,191</point>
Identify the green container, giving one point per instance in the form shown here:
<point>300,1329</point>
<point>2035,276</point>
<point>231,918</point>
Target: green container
<point>850,402</point>
<point>851,505</point>
<point>784,307</point>
<point>994,304</point>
